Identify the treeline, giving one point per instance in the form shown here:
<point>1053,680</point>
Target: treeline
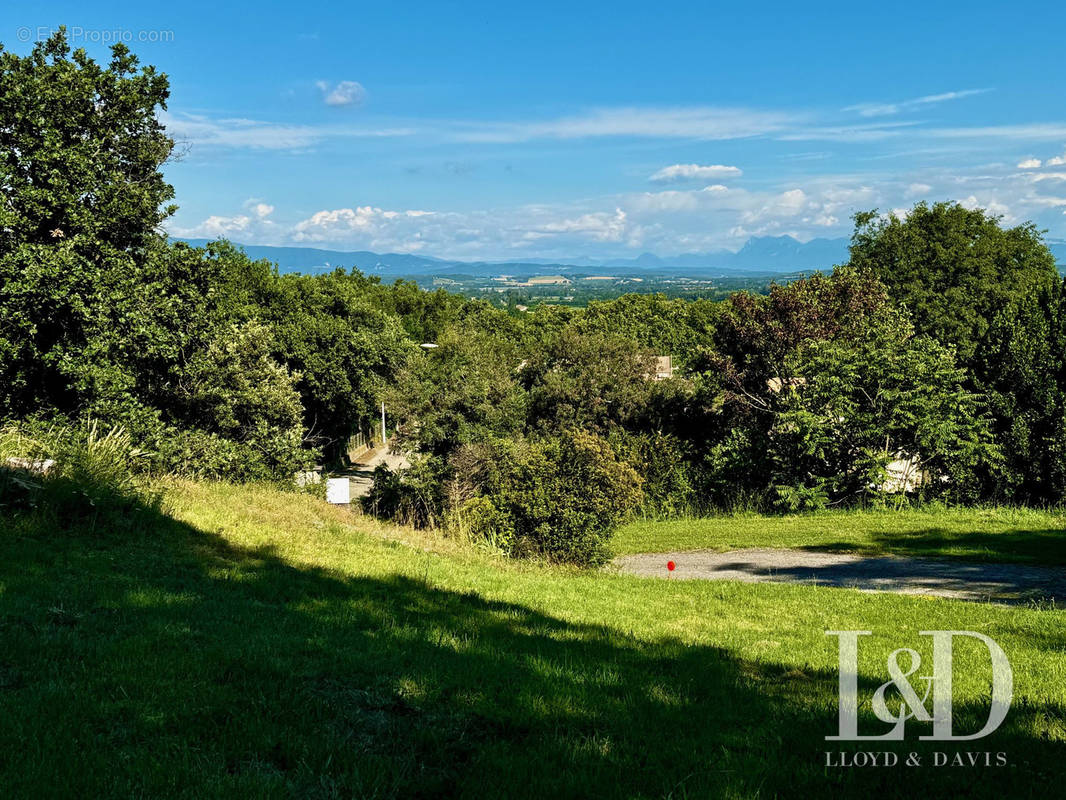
<point>822,392</point>
<point>930,365</point>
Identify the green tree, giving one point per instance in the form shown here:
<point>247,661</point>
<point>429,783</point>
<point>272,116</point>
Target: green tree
<point>346,351</point>
<point>83,196</point>
<point>464,390</point>
<point>954,268</point>
<point>80,150</point>
<point>1021,366</point>
<point>855,404</point>
<point>666,326</point>
<point>736,384</point>
<point>424,315</point>
<point>236,388</point>
<point>589,381</point>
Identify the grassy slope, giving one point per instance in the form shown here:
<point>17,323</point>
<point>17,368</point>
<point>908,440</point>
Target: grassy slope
<point>264,644</point>
<point>998,534</point>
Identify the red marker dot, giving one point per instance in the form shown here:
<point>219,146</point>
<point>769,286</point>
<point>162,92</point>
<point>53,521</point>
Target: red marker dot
<point>670,565</point>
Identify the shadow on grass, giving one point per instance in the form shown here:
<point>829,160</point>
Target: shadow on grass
<point>166,662</point>
<point>1000,583</point>
<point>1037,547</point>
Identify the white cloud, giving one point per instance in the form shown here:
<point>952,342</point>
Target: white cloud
<point>940,98</point>
<point>887,109</point>
<point>1036,131</point>
<point>1046,200</point>
<point>684,172</point>
<point>216,227</point>
<point>836,197</point>
<point>666,222</point>
<point>1036,163</point>
<point>238,132</point>
<point>872,132</point>
<point>793,207</point>
<point>478,234</point>
<point>792,199</point>
<point>345,93</point>
<point>252,225</point>
<point>256,134</point>
<point>989,204</point>
<point>675,219</point>
<point>665,202</point>
<point>342,224</point>
<point>698,122</point>
<point>599,227</point>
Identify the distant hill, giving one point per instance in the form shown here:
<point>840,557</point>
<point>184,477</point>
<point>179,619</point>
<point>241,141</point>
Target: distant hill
<point>312,259</point>
<point>764,255</point>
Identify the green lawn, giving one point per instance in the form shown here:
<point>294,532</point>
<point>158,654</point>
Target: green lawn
<point>259,643</point>
<point>995,534</point>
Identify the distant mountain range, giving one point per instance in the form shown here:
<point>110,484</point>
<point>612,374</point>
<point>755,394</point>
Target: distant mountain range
<point>760,255</point>
<point>313,259</point>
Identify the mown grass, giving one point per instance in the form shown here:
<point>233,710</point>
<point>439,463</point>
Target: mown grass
<point>1017,535</point>
<point>260,643</point>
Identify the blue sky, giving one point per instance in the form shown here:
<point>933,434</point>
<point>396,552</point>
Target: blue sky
<point>499,130</point>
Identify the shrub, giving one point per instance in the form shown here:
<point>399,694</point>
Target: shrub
<point>556,497</point>
<point>668,474</point>
<point>71,474</point>
<point>477,519</point>
<point>563,496</point>
<point>274,455</point>
<point>410,497</point>
<point>1021,366</point>
<point>733,472</point>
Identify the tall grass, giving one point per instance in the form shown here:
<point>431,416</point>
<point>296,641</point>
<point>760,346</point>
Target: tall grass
<point>71,473</point>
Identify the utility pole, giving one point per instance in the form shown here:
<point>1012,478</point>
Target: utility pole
<point>384,437</point>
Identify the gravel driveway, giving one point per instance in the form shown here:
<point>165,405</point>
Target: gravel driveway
<point>962,580</point>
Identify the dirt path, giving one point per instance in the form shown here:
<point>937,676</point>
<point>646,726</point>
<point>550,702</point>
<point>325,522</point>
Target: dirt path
<point>962,580</point>
<point>362,475</point>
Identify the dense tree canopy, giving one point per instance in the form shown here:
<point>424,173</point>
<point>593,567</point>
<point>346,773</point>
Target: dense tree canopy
<point>952,267</point>
<point>671,327</point>
<point>858,403</point>
<point>80,156</point>
<point>1021,368</point>
<point>757,336</point>
<point>80,150</point>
